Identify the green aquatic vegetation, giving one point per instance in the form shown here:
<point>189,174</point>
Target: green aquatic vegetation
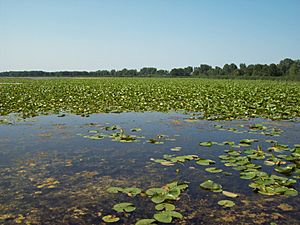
<point>278,148</point>
<point>136,129</point>
<point>257,126</point>
<point>131,191</point>
<point>226,203</point>
<point>113,127</point>
<point>110,218</point>
<point>205,162</point>
<point>211,186</point>
<point>247,142</point>
<point>228,142</point>
<point>114,190</point>
<point>125,138</point>
<point>274,185</point>
<point>169,191</point>
<point>165,206</point>
<point>167,216</point>
<point>169,160</point>
<point>247,175</point>
<point>182,158</point>
<point>213,170</point>
<point>207,143</point>
<point>285,169</point>
<point>94,137</point>
<point>230,194</point>
<point>124,207</point>
<point>274,161</point>
<point>154,141</point>
<point>146,222</point>
<point>164,162</point>
<point>176,149</point>
<point>86,96</point>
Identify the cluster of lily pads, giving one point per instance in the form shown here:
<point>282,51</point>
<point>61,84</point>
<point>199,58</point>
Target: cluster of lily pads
<point>242,160</point>
<point>163,197</point>
<point>117,133</point>
<point>257,128</point>
<point>216,99</point>
<point>262,182</point>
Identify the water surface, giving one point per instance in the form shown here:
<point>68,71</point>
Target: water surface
<point>52,174</point>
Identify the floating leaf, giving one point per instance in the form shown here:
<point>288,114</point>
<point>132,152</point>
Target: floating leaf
<point>176,149</point>
<point>206,143</point>
<point>124,207</point>
<point>114,190</point>
<point>230,194</point>
<point>163,217</point>
<point>228,142</point>
<point>213,170</point>
<point>212,186</point>
<point>146,222</point>
<point>286,170</point>
<point>167,216</point>
<point>205,162</point>
<point>247,175</point>
<point>136,129</point>
<point>133,191</point>
<point>165,206</point>
<point>226,203</point>
<point>110,219</point>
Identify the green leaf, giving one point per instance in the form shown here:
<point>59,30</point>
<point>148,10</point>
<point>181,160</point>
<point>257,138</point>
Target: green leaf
<point>114,190</point>
<point>124,207</point>
<point>167,216</point>
<point>159,198</point>
<point>176,149</point>
<point>247,175</point>
<point>110,219</point>
<point>145,222</point>
<point>205,162</point>
<point>163,217</point>
<point>165,206</point>
<point>230,194</point>
<point>212,186</point>
<point>213,170</point>
<point>133,191</point>
<point>206,143</point>
<point>226,203</point>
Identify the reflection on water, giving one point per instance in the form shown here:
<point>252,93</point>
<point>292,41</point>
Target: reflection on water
<point>53,173</point>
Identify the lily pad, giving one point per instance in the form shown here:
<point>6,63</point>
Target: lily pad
<point>136,129</point>
<point>206,143</point>
<point>114,190</point>
<point>205,162</point>
<point>146,222</point>
<point>165,206</point>
<point>247,175</point>
<point>176,149</point>
<point>124,207</point>
<point>132,191</point>
<point>230,194</point>
<point>110,219</point>
<point>226,203</point>
<point>212,186</point>
<point>167,216</point>
<point>213,170</point>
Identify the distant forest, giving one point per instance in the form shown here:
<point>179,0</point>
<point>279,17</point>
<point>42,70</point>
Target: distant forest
<point>286,68</point>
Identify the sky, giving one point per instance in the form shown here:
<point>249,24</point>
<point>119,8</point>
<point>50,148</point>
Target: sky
<point>56,35</point>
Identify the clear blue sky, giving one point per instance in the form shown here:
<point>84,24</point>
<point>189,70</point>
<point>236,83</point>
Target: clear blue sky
<point>105,34</point>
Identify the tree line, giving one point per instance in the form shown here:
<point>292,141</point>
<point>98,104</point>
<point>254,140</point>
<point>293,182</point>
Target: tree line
<point>285,68</point>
